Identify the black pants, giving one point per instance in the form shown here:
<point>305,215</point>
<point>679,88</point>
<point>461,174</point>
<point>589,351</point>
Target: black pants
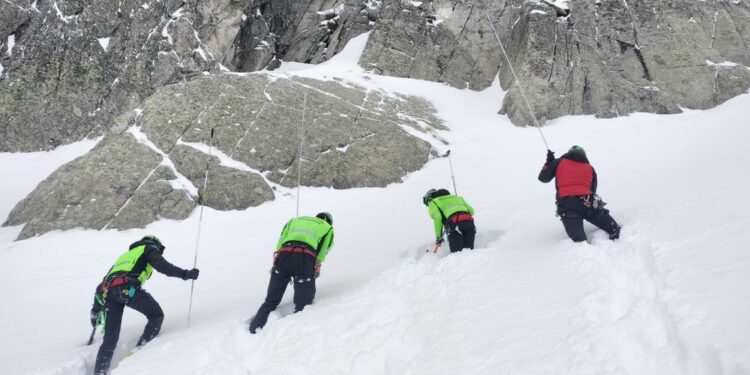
<point>300,269</point>
<point>573,211</point>
<point>461,235</point>
<point>116,302</point>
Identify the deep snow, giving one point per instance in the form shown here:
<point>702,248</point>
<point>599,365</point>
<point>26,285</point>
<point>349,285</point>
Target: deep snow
<point>670,297</point>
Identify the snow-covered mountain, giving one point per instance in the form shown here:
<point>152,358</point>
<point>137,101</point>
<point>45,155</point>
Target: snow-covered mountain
<point>670,297</point>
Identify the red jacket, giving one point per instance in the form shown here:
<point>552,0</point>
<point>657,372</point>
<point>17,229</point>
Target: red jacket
<point>574,178</point>
<point>573,174</point>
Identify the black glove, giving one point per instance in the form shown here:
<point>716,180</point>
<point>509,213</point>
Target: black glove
<point>190,274</point>
<point>439,241</point>
<point>317,269</point>
<point>550,156</point>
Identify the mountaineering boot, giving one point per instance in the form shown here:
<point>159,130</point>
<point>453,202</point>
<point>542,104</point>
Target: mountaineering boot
<point>615,234</point>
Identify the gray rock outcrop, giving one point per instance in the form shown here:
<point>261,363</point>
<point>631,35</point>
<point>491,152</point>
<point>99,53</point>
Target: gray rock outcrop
<point>309,31</point>
<point>88,191</point>
<point>152,163</point>
<point>443,40</point>
<point>607,58</point>
<point>69,68</point>
<point>227,188</point>
<point>75,65</point>
<point>157,198</point>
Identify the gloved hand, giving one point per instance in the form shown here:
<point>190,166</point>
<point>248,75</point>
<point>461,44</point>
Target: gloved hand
<point>550,156</point>
<point>317,269</point>
<point>190,274</point>
<point>93,316</point>
<point>439,241</point>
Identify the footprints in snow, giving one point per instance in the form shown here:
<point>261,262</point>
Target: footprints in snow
<point>628,306</point>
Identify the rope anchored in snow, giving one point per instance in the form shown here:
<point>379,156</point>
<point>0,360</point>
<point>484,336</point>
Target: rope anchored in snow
<point>520,85</point>
<point>201,201</point>
<point>453,176</point>
<point>301,143</point>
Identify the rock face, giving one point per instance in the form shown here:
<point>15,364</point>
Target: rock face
<point>227,188</point>
<point>88,191</point>
<point>69,68</point>
<point>442,40</point>
<point>76,65</point>
<point>148,76</point>
<point>152,163</point>
<point>156,198</point>
<point>607,58</point>
<point>309,31</point>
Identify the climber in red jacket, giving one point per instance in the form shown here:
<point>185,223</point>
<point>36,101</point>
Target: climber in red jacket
<point>576,194</point>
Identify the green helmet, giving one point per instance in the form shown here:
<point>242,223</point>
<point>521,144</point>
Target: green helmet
<point>154,240</point>
<point>151,238</point>
<point>576,149</point>
<point>428,196</point>
<point>325,216</point>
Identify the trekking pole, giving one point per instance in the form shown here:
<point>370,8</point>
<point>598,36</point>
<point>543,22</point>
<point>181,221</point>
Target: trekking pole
<point>299,155</point>
<point>91,338</point>
<point>453,176</point>
<point>520,85</point>
<point>201,198</point>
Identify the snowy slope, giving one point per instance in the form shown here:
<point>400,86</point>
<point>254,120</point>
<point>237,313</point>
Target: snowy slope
<point>671,297</point>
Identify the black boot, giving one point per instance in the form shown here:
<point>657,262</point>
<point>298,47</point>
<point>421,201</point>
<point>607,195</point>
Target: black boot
<point>615,234</point>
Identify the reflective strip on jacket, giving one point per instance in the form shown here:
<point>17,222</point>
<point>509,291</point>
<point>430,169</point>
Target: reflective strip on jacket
<point>314,232</point>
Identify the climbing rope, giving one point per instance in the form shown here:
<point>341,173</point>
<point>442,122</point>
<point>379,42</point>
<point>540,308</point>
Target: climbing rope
<point>520,85</point>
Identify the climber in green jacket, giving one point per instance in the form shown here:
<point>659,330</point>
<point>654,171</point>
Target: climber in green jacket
<point>453,215</point>
<point>123,286</point>
<point>303,246</point>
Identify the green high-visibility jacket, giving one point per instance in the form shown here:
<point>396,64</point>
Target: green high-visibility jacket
<point>128,261</point>
<point>441,208</point>
<point>315,232</point>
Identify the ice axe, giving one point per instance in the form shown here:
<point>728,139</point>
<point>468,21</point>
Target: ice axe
<point>437,248</point>
<point>91,338</point>
<point>437,245</point>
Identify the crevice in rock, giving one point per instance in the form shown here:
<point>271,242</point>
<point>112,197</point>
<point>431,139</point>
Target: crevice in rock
<point>596,24</point>
<point>19,31</point>
<point>624,46</point>
<point>252,123</point>
<point>190,123</point>
<point>327,94</point>
<point>130,198</point>
<point>359,115</point>
<point>716,78</point>
<point>60,65</point>
<point>554,54</point>
<point>636,46</point>
<point>646,73</point>
<point>458,40</point>
<point>568,46</point>
<point>586,92</point>
<point>559,11</point>
<point>716,16</point>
